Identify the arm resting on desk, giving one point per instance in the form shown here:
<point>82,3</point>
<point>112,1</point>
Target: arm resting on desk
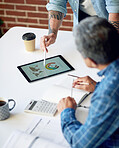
<point>98,127</point>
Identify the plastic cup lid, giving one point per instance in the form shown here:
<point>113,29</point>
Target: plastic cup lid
<point>29,36</point>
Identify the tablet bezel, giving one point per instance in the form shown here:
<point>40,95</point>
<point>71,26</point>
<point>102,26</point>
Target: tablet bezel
<point>60,56</point>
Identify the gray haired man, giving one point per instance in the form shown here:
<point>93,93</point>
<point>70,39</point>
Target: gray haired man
<point>97,41</point>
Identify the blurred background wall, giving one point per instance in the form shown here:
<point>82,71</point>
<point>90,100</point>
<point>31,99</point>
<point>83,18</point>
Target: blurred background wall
<point>29,13</point>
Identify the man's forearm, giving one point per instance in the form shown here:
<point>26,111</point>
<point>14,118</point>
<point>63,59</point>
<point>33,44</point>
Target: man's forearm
<point>55,21</point>
<point>114,20</point>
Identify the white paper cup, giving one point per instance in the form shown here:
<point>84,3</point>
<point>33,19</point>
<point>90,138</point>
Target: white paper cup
<point>29,41</point>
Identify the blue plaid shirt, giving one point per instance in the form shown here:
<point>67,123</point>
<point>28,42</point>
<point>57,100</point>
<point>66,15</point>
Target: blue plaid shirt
<point>101,128</point>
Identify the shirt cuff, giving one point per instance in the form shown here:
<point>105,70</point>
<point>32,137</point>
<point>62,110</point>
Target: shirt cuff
<point>56,8</point>
<point>113,9</point>
<point>67,115</point>
<point>97,84</point>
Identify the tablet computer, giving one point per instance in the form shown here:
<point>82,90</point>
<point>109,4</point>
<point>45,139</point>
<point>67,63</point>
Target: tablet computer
<point>53,66</point>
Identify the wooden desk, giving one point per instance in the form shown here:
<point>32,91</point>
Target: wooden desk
<point>14,85</point>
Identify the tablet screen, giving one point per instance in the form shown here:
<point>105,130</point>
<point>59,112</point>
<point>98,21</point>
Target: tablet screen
<point>53,66</point>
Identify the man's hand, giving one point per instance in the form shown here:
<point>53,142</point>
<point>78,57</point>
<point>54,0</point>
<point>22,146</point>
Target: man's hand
<point>55,21</point>
<point>90,88</point>
<point>114,20</point>
<point>67,102</point>
<point>45,41</point>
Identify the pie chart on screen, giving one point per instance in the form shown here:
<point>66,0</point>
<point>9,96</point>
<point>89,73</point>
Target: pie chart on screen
<point>51,66</point>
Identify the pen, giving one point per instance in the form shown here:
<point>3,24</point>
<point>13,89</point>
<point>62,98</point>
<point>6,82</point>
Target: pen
<point>73,75</point>
<point>72,90</point>
<point>45,52</point>
<point>83,106</point>
<point>44,56</point>
<point>81,83</point>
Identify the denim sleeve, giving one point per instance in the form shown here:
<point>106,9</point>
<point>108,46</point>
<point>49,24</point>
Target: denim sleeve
<point>102,121</point>
<point>97,84</point>
<point>57,5</point>
<point>112,6</point>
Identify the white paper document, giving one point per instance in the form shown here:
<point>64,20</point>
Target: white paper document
<point>43,132</point>
<point>63,89</point>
